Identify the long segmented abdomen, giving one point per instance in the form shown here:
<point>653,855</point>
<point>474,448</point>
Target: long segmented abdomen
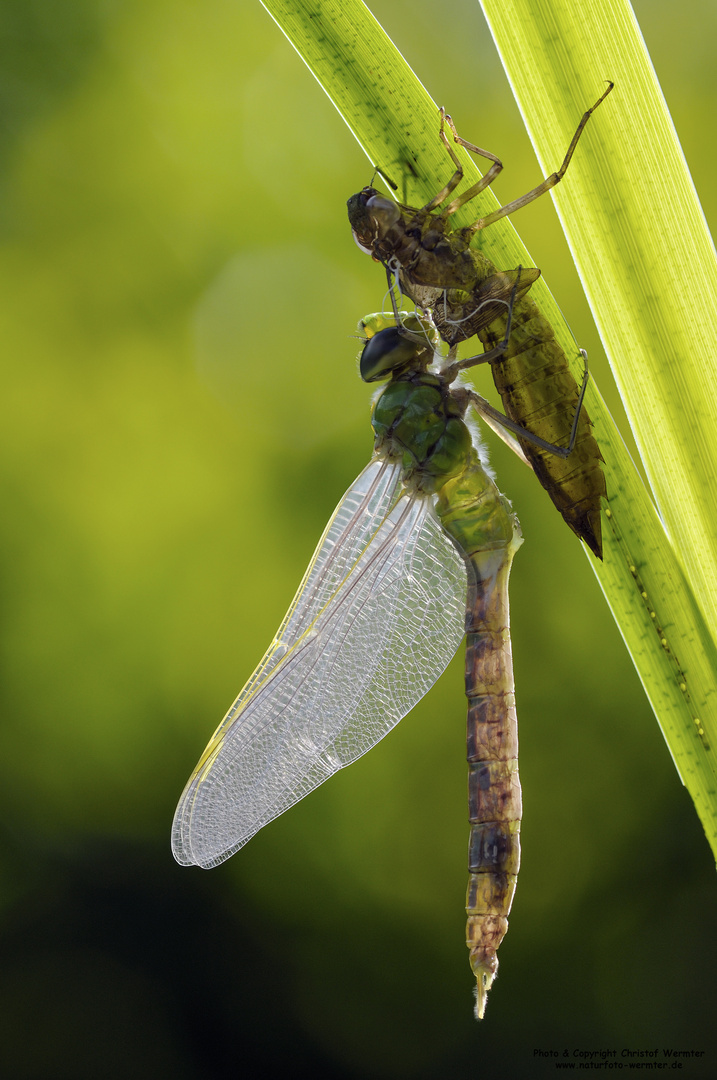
<point>494,797</point>
<point>488,535</point>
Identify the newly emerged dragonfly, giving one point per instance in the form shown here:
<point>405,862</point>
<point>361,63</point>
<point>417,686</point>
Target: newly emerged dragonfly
<point>436,267</point>
<point>416,555</point>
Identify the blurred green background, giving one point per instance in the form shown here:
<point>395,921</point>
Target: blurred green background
<point>180,414</point>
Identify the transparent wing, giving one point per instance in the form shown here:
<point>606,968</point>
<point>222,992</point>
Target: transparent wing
<point>379,614</point>
<point>350,528</point>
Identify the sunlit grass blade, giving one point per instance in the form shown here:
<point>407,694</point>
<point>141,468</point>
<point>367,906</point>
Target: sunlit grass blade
<point>648,265</point>
<point>637,276</point>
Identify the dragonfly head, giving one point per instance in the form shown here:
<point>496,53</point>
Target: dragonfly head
<point>371,215</point>
<point>385,353</point>
<point>389,348</point>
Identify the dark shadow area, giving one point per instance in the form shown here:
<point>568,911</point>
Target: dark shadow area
<point>119,964</point>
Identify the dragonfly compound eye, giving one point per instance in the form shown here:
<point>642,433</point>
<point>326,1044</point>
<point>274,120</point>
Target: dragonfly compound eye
<point>385,352</point>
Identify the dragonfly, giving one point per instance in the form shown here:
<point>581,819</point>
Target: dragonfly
<point>415,557</point>
<point>434,265</point>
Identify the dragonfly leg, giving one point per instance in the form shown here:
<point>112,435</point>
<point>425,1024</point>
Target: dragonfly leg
<point>394,286</point>
<point>455,180</point>
<point>396,294</point>
<point>494,416</point>
<point>484,182</point>
<point>547,184</point>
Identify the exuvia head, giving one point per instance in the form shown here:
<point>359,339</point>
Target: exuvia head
<point>371,215</point>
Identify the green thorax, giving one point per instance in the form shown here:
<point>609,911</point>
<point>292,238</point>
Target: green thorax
<point>418,422</point>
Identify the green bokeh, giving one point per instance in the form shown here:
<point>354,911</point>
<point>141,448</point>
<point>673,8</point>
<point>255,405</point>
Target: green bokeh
<point>180,413</point>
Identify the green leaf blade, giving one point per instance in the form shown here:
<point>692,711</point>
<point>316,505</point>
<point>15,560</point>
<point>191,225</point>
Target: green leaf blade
<point>641,246</point>
<point>647,262</point>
